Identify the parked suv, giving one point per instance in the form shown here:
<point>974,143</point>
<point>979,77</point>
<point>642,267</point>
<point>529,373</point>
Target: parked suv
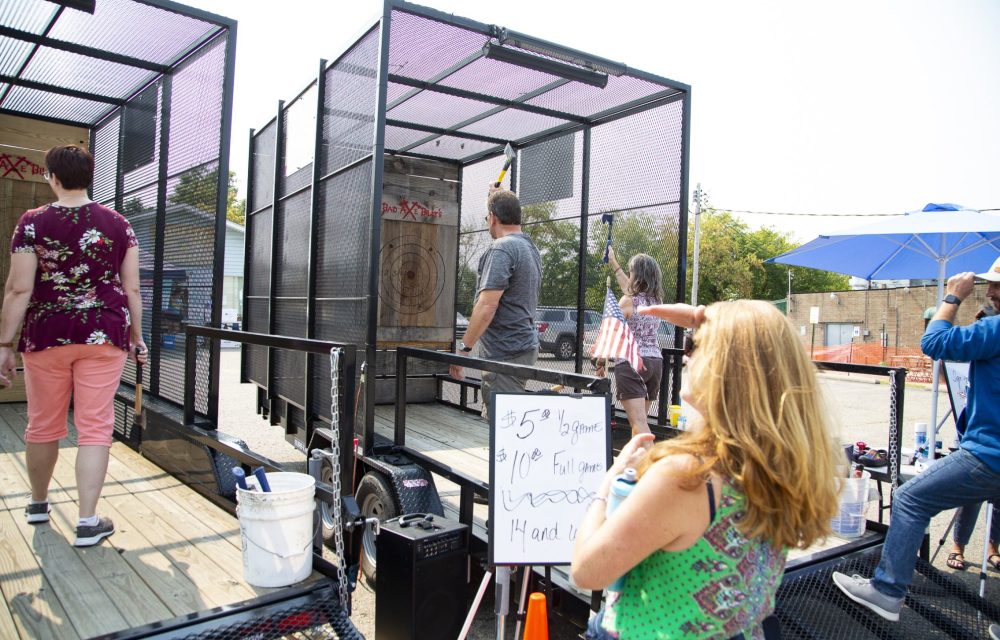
<point>557,329</point>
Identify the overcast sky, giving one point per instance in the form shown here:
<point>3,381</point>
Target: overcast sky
<point>849,107</point>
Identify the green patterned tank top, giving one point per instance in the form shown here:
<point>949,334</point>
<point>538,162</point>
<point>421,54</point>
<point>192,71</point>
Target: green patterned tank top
<point>722,585</point>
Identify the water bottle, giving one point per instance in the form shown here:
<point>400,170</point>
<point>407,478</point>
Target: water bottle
<point>920,440</point>
<point>620,488</point>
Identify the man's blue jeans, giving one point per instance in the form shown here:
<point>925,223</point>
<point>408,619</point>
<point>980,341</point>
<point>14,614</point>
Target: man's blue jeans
<point>957,480</point>
<point>965,523</point>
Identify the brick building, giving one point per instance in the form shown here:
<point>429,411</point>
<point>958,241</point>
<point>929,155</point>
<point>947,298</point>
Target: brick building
<point>872,326</point>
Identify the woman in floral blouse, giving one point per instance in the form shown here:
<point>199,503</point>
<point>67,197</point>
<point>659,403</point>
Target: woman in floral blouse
<point>73,291</point>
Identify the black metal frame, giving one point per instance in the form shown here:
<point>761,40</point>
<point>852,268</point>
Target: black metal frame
<point>306,345</point>
<point>118,97</point>
<point>570,123</point>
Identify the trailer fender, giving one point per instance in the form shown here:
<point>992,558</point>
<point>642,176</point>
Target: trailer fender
<point>412,485</point>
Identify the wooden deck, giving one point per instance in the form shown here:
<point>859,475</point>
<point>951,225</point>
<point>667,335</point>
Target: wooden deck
<point>173,553</point>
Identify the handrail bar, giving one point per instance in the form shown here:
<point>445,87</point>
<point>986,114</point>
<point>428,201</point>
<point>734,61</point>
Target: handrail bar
<point>348,362</point>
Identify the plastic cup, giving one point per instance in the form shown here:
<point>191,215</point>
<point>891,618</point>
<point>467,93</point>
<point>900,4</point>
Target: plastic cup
<point>675,413</point>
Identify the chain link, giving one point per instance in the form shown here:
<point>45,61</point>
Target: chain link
<point>893,434</point>
<point>338,529</point>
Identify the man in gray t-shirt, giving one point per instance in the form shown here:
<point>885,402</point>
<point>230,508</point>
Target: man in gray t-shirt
<point>503,316</point>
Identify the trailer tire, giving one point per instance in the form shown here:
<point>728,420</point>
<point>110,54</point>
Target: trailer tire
<point>326,510</point>
<point>376,500</point>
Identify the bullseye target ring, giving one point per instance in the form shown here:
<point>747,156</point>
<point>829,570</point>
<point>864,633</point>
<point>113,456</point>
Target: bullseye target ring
<point>412,275</point>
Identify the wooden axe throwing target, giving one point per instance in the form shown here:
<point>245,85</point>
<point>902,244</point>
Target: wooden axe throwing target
<point>412,276</point>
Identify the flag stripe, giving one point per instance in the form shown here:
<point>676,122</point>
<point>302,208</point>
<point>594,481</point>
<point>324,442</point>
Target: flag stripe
<point>615,339</point>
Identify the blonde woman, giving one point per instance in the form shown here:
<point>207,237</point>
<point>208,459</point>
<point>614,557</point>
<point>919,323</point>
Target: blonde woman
<point>705,531</point>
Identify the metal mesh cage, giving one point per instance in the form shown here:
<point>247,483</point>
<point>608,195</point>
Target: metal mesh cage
<point>448,99</point>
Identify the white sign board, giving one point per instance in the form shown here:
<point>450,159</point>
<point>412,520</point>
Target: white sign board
<point>813,315</point>
<point>549,454</point>
<point>957,379</point>
<point>857,332</point>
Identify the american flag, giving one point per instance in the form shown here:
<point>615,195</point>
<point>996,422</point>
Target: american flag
<point>615,339</point>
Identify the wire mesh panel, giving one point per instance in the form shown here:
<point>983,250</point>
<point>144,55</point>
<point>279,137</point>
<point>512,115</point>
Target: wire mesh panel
<point>299,141</point>
<point>140,152</point>
<point>342,265</point>
<point>262,166</point>
<point>105,150</point>
<point>348,127</point>
<point>258,242</point>
<point>196,101</point>
<point>290,366</point>
<point>196,109</point>
<point>637,161</point>
<point>140,209</point>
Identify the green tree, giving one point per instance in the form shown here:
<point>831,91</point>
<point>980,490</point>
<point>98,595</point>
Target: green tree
<point>198,189</point>
<point>733,262</point>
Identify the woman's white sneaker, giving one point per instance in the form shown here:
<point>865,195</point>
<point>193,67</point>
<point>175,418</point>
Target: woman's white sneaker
<point>87,536</point>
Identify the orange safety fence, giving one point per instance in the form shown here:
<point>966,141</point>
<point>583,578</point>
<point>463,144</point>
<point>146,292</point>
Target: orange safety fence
<point>918,365</point>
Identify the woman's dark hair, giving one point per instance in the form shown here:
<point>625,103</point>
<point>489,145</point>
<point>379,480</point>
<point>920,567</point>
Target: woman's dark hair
<point>505,206</point>
<point>73,165</point>
<point>645,277</point>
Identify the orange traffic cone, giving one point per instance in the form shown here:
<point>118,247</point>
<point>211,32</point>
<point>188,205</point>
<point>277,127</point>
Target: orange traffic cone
<point>537,625</point>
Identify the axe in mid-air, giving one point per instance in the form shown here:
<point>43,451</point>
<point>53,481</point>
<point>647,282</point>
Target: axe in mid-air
<point>508,151</point>
<point>608,219</point>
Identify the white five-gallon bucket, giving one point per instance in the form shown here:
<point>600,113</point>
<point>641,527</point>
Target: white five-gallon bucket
<point>276,529</point>
<point>850,519</point>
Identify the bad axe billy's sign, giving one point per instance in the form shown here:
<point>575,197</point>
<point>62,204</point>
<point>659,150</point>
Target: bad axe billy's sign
<point>403,208</point>
<point>411,208</point>
<point>15,167</point>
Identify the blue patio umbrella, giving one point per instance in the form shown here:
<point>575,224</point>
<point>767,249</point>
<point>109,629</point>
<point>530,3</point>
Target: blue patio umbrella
<point>938,241</point>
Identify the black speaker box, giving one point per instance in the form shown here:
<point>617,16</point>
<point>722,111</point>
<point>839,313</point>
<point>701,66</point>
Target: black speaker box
<point>421,578</point>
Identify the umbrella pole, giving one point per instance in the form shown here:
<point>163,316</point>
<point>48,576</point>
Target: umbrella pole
<point>935,378</point>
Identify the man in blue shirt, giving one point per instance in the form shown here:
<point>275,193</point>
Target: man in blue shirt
<point>967,476</point>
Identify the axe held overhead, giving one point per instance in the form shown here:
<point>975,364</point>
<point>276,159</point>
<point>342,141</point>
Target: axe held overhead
<point>608,219</point>
<point>509,155</point>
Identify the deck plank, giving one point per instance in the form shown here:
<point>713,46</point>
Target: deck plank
<point>125,585</point>
<point>33,604</point>
<point>127,464</point>
<point>173,552</point>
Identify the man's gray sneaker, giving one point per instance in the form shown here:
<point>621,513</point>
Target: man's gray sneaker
<point>89,536</point>
<point>861,591</point>
<point>995,631</point>
<point>37,512</point>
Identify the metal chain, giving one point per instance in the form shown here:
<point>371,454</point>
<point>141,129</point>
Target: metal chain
<point>338,529</point>
<point>893,434</point>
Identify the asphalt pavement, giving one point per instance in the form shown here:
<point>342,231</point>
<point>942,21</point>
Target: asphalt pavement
<point>859,409</point>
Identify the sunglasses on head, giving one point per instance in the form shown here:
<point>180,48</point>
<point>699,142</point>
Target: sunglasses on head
<point>689,345</point>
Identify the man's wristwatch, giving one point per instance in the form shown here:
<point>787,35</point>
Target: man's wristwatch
<point>463,347</point>
<point>951,298</point>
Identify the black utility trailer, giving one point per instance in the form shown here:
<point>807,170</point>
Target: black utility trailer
<point>371,236</point>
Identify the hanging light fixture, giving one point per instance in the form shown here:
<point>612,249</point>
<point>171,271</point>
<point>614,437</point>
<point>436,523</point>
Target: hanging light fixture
<point>494,51</point>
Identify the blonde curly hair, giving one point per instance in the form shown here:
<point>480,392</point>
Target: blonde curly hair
<point>765,428</point>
